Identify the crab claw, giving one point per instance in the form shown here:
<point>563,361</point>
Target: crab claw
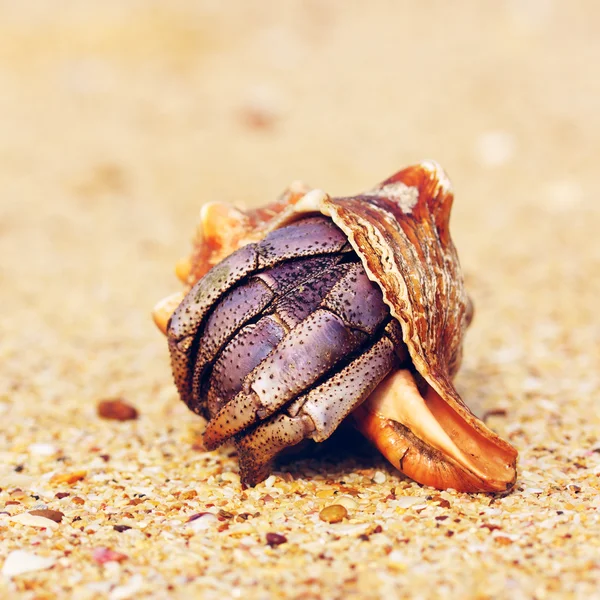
<point>162,311</point>
<point>422,436</point>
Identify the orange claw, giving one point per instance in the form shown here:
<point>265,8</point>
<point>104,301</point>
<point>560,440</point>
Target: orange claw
<point>163,310</point>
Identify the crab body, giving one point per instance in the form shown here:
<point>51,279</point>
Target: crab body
<point>298,326</point>
<point>313,308</point>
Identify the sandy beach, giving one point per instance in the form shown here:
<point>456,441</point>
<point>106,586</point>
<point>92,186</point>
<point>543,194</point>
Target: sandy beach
<point>118,120</point>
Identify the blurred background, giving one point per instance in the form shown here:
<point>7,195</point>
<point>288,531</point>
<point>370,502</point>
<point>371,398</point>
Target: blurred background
<point>119,119</point>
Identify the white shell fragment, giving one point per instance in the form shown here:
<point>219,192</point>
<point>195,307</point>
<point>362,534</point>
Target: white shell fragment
<point>206,521</point>
<point>26,518</point>
<point>41,449</point>
<point>20,561</point>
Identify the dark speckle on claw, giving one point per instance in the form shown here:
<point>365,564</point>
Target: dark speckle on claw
<point>317,309</point>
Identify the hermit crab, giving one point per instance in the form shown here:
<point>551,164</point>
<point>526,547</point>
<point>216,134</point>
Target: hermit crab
<point>315,309</point>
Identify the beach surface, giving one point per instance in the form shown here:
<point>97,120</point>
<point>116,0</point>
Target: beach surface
<point>118,120</point>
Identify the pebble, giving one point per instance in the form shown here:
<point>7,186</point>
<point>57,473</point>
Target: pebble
<point>103,555</point>
<point>347,502</point>
<point>231,477</point>
<point>380,477</point>
<point>202,521</point>
<point>129,590</point>
<point>333,514</point>
<point>562,195</point>
<point>275,539</point>
<point>406,501</point>
<point>34,520</point>
<point>43,449</point>
<point>269,481</point>
<point>53,515</point>
<point>68,478</point>
<point>20,561</point>
<point>116,409</point>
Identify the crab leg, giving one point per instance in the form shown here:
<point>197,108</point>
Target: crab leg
<point>317,414</point>
<point>304,356</point>
<point>248,300</point>
<point>252,344</point>
<point>349,314</point>
<point>242,355</point>
<point>310,237</point>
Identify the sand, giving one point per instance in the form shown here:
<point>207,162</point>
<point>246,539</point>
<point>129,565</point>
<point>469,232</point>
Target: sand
<point>119,119</point>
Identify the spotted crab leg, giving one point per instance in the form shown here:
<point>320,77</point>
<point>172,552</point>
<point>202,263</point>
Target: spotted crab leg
<point>308,238</point>
<point>317,414</point>
<point>254,342</point>
<point>349,314</point>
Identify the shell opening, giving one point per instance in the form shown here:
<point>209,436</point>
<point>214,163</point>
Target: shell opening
<point>425,438</point>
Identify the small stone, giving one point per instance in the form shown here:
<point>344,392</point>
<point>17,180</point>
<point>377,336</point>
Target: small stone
<point>68,478</point>
<point>275,539</point>
<point>61,495</point>
<point>103,555</point>
<point>121,528</point>
<point>231,477</point>
<point>189,495</point>
<point>53,515</point>
<point>324,493</point>
<point>42,449</point>
<point>131,589</point>
<point>34,520</point>
<point>503,540</point>
<point>269,481</point>
<point>20,561</point>
<point>380,477</point>
<point>204,520</point>
<point>77,500</point>
<point>397,560</point>
<point>333,514</point>
<point>407,501</point>
<point>560,196</point>
<point>347,502</point>
<point>117,409</point>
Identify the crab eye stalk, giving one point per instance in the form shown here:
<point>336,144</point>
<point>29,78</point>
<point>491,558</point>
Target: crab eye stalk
<point>315,308</point>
